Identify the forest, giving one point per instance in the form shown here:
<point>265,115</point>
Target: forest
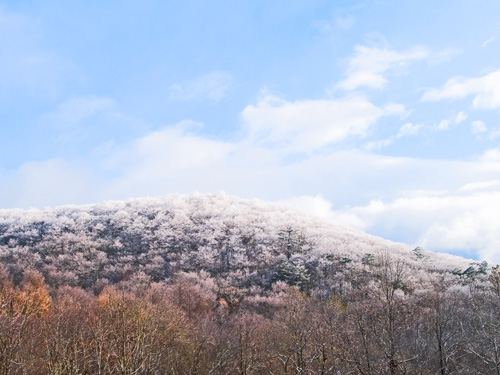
<point>211,284</point>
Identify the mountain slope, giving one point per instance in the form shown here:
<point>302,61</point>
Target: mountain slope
<point>245,243</point>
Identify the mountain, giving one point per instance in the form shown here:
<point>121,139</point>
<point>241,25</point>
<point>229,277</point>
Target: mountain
<point>245,243</point>
<point>212,284</point>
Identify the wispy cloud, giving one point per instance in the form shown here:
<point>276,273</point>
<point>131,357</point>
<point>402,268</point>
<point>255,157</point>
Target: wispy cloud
<point>494,133</point>
<point>72,111</point>
<point>307,125</point>
<point>481,186</point>
<point>369,65</point>
<point>407,129</point>
<point>213,86</point>
<point>83,120</point>
<point>342,20</point>
<point>488,41</point>
<point>441,56</point>
<point>485,89</point>
<point>453,120</point>
<point>478,127</point>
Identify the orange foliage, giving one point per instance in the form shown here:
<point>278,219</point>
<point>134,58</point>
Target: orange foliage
<point>33,297</point>
<point>30,298</point>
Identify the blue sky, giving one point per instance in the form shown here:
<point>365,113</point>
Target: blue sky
<point>379,115</point>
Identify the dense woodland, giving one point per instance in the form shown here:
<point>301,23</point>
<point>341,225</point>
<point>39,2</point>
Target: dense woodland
<point>219,285</point>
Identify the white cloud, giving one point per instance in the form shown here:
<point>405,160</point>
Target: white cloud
<point>167,151</point>
<point>394,109</point>
<point>152,162</point>
<point>405,130</point>
<point>178,160</point>
<point>481,186</point>
<point>461,117</point>
<point>50,182</point>
<point>306,125</point>
<point>409,129</point>
<point>443,125</point>
<point>478,127</point>
<point>316,206</point>
<point>436,216</point>
<point>485,89</point>
<point>464,222</point>
<point>170,160</point>
<point>379,145</point>
<point>369,65</point>
<point>488,41</point>
<point>491,156</point>
<point>446,123</point>
<point>213,86</point>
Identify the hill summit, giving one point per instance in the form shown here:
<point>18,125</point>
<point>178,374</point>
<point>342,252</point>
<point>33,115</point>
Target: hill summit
<point>238,242</point>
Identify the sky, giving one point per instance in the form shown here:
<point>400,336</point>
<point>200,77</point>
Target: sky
<point>380,115</point>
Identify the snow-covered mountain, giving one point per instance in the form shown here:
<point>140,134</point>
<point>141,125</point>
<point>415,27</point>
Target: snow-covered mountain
<point>246,243</point>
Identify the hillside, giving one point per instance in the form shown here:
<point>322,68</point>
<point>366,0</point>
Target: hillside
<point>243,243</point>
<point>211,284</point>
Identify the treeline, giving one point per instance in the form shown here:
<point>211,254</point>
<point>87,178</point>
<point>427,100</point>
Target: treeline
<point>386,323</point>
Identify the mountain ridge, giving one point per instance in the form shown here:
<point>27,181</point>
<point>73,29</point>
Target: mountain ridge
<point>248,242</point>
